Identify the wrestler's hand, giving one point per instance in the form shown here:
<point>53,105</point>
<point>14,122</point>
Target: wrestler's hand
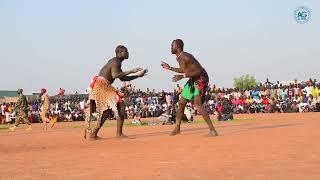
<point>165,65</point>
<point>136,70</point>
<point>143,73</point>
<point>177,77</point>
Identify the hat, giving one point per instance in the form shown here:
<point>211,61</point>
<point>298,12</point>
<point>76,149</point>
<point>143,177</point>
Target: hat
<point>43,90</point>
<point>19,91</point>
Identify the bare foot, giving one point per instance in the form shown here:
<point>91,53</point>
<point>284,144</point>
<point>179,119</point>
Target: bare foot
<point>89,131</point>
<point>213,133</point>
<point>29,128</point>
<point>175,132</point>
<point>121,136</point>
<point>94,137</point>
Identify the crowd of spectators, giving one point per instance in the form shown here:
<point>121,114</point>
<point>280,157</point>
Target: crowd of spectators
<point>264,98</point>
<point>64,110</point>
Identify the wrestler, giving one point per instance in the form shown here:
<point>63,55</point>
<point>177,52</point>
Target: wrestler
<point>104,97</point>
<point>195,88</point>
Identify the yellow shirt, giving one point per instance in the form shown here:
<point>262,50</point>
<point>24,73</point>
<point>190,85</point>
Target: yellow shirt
<point>315,92</point>
<point>45,102</point>
<point>249,101</point>
<point>10,109</point>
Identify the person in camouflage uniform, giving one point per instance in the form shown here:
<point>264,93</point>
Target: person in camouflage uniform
<point>22,109</point>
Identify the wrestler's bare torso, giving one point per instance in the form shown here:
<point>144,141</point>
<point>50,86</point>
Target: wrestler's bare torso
<point>113,64</point>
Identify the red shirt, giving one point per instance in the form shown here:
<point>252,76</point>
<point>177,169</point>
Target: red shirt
<point>6,109</point>
<point>234,101</point>
<point>243,102</point>
<point>265,101</point>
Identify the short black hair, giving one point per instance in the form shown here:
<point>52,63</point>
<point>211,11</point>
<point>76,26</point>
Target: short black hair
<point>119,48</point>
<point>179,43</point>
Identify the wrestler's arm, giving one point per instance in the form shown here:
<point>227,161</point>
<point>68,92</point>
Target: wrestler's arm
<point>129,78</point>
<point>177,70</point>
<point>117,72</point>
<point>168,67</point>
<point>191,70</point>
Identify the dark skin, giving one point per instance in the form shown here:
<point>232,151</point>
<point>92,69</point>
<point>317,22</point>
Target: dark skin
<point>111,71</point>
<point>189,68</point>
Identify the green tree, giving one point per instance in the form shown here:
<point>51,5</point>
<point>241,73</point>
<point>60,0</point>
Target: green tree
<point>244,82</point>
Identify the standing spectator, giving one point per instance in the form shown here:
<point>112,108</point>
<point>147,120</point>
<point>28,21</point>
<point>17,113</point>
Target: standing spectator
<point>273,92</point>
<point>312,103</point>
<point>45,109</point>
<point>318,103</point>
<point>168,99</point>
<point>314,91</point>
<point>82,104</point>
<point>296,90</point>
<point>61,91</point>
<point>291,90</point>
<point>2,114</point>
<point>307,90</point>
<point>283,93</point>
<point>22,108</point>
<point>7,113</point>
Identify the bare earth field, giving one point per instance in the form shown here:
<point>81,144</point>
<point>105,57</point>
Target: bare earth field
<point>256,147</point>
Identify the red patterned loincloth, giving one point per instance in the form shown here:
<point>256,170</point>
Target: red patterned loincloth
<point>104,95</point>
<point>201,84</point>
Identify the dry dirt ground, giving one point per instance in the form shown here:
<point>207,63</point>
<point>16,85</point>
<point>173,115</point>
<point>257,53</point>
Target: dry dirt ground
<point>256,147</point>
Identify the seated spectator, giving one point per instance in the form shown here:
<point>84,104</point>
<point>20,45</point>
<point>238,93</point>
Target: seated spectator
<point>294,107</point>
<point>318,103</point>
<point>226,110</point>
<point>255,93</point>
<point>189,112</point>
<point>312,102</point>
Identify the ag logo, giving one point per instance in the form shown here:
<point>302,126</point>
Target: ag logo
<point>302,15</point>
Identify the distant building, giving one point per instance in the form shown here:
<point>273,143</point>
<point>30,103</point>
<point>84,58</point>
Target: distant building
<point>8,96</point>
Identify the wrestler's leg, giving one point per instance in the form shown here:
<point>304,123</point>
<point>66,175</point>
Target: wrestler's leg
<point>179,114</point>
<point>198,104</point>
<point>88,117</point>
<point>120,119</point>
<point>102,116</point>
<point>87,122</point>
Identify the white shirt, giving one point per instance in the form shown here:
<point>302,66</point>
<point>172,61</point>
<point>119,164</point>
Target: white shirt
<point>238,95</point>
<point>2,109</point>
<point>307,90</point>
<point>82,105</point>
<point>227,96</point>
<point>258,101</point>
<point>247,93</point>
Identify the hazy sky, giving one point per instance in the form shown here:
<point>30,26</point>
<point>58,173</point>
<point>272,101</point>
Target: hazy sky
<point>59,43</point>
